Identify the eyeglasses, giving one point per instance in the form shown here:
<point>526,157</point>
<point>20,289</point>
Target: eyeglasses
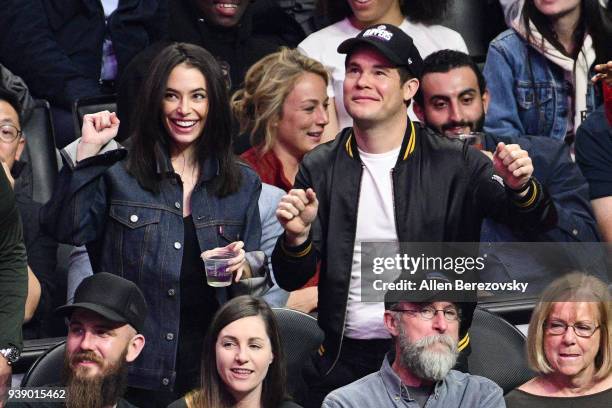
<point>8,133</point>
<point>428,313</point>
<point>581,329</point>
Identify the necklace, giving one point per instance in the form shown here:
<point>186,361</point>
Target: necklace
<point>192,174</point>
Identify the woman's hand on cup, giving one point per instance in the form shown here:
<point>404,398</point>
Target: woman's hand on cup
<point>98,129</point>
<point>237,263</point>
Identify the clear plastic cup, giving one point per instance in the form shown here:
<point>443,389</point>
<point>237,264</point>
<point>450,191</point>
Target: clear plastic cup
<point>216,266</point>
<point>473,139</point>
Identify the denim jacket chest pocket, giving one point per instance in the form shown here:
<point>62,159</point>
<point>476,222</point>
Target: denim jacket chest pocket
<point>219,232</point>
<point>135,236</point>
<point>535,102</point>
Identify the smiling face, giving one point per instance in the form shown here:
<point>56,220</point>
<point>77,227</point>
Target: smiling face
<point>185,105</point>
<point>369,12</point>
<point>452,102</point>
<point>568,354</point>
<point>372,88</point>
<point>95,344</point>
<point>304,116</point>
<point>243,355</point>
<point>557,8</point>
<point>224,13</point>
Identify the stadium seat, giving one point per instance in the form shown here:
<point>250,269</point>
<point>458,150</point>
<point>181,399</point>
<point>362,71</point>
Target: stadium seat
<point>301,336</point>
<point>91,104</point>
<point>478,21</point>
<point>47,368</point>
<point>498,351</point>
<point>40,151</point>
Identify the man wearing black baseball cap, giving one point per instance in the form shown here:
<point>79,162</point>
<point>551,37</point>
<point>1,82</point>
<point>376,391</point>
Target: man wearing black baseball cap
<point>386,179</point>
<point>104,335</point>
<point>426,327</point>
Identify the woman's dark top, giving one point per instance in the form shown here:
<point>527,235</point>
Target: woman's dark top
<point>181,403</point>
<point>198,306</point>
<point>521,399</point>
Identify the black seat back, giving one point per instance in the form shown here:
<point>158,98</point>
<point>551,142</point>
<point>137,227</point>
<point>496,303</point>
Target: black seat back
<point>40,151</point>
<point>47,369</point>
<point>301,336</point>
<point>498,351</point>
<point>478,21</point>
<point>91,104</point>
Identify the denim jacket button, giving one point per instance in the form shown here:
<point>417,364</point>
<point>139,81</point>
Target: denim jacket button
<point>177,245</point>
<point>177,204</point>
<point>165,381</point>
<point>171,292</point>
<point>170,336</point>
<point>134,218</point>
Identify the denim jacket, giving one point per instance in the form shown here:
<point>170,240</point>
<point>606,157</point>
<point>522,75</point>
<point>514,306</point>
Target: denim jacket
<point>529,94</point>
<point>139,235</point>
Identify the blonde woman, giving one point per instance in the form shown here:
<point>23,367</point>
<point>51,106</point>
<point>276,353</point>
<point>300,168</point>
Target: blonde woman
<point>283,108</point>
<point>570,346</point>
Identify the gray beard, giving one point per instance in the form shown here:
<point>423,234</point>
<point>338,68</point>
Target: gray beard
<point>428,364</point>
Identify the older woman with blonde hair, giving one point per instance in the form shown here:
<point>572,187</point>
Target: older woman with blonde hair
<point>283,107</point>
<point>570,346</point>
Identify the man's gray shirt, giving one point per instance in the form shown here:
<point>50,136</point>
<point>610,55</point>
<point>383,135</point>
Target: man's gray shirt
<point>384,389</point>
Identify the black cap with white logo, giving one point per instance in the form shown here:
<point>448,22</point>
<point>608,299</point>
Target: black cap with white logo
<point>390,41</point>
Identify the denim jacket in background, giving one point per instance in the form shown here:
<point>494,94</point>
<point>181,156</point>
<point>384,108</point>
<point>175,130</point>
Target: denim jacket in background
<point>520,79</point>
<point>139,235</point>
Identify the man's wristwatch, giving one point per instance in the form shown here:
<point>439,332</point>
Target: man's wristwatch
<point>11,354</point>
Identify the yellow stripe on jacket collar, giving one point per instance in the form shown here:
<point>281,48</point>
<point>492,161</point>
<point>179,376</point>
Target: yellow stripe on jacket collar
<point>409,147</point>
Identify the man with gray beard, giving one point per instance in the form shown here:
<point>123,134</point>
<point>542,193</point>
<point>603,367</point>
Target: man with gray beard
<point>418,371</point>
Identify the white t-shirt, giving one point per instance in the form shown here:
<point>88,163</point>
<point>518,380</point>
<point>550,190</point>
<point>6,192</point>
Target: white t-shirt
<point>322,46</point>
<point>365,320</point>
<point>109,6</point>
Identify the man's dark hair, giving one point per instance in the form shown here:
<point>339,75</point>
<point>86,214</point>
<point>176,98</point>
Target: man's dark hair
<point>404,75</point>
<point>12,99</point>
<point>417,11</point>
<point>443,61</point>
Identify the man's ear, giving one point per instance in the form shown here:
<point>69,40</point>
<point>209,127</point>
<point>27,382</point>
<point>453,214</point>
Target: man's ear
<point>391,323</point>
<point>410,88</point>
<point>136,345</point>
<point>20,147</point>
<point>486,98</point>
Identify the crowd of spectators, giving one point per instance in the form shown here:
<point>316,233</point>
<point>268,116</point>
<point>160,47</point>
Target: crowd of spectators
<point>290,134</point>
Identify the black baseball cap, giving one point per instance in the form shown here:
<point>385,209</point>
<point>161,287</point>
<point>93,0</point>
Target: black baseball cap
<point>397,46</point>
<point>111,296</point>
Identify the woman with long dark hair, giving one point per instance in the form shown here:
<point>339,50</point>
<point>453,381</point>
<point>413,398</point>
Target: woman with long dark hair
<point>539,70</point>
<point>242,360</point>
<point>148,213</point>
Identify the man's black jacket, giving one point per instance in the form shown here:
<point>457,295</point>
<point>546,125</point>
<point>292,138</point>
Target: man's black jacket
<point>442,191</point>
